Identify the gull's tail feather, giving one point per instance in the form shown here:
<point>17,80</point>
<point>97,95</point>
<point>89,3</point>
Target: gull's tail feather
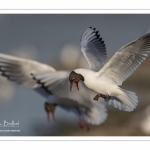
<point>125,100</point>
<point>97,113</point>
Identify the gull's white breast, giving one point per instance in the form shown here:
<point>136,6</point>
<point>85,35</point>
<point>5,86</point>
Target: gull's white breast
<point>101,85</point>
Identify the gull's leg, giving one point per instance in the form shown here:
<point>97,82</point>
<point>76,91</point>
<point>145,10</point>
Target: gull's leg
<point>100,95</point>
<point>105,96</point>
<point>87,124</point>
<point>48,116</point>
<point>97,97</point>
<point>79,122</point>
<point>53,115</point>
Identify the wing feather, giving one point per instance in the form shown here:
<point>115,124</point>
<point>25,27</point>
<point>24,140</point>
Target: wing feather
<point>93,49</point>
<point>126,60</point>
<point>20,70</point>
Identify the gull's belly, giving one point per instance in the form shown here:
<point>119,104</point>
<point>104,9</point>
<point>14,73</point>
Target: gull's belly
<point>101,86</point>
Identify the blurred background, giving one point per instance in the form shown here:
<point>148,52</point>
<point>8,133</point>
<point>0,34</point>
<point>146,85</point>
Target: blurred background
<point>55,40</point>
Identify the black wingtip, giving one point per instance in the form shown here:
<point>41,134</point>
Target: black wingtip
<point>98,36</point>
<point>96,33</point>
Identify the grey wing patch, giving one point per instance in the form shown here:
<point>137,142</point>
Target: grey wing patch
<point>20,70</point>
<point>13,72</point>
<point>94,49</point>
<point>126,60</point>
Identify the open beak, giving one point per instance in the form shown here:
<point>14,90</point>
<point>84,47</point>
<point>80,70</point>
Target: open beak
<point>76,83</point>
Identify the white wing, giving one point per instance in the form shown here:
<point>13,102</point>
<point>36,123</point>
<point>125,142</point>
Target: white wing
<point>58,84</point>
<point>126,60</point>
<point>20,70</point>
<point>93,49</point>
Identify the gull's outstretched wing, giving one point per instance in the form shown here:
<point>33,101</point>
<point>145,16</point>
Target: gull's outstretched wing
<point>19,70</point>
<point>58,84</point>
<point>93,49</point>
<point>126,60</point>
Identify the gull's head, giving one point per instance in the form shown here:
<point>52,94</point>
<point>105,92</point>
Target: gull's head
<point>49,108</point>
<point>75,78</point>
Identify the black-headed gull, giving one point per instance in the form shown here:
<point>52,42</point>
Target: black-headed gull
<point>105,79</point>
<point>95,114</point>
<point>47,81</point>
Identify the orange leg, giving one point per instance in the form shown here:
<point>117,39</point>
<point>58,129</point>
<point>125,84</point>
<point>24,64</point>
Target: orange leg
<point>87,124</point>
<point>79,122</point>
<point>53,115</point>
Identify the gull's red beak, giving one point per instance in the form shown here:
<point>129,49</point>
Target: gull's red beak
<point>76,83</point>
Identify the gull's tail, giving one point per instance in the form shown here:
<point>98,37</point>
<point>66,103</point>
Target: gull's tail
<point>125,100</point>
<point>97,113</point>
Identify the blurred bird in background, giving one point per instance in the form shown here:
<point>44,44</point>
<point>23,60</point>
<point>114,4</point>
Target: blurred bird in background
<point>94,114</point>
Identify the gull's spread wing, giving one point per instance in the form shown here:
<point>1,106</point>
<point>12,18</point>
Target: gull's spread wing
<point>19,70</point>
<point>126,60</point>
<point>93,49</point>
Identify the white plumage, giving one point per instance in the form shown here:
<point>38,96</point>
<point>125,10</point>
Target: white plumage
<point>105,79</point>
